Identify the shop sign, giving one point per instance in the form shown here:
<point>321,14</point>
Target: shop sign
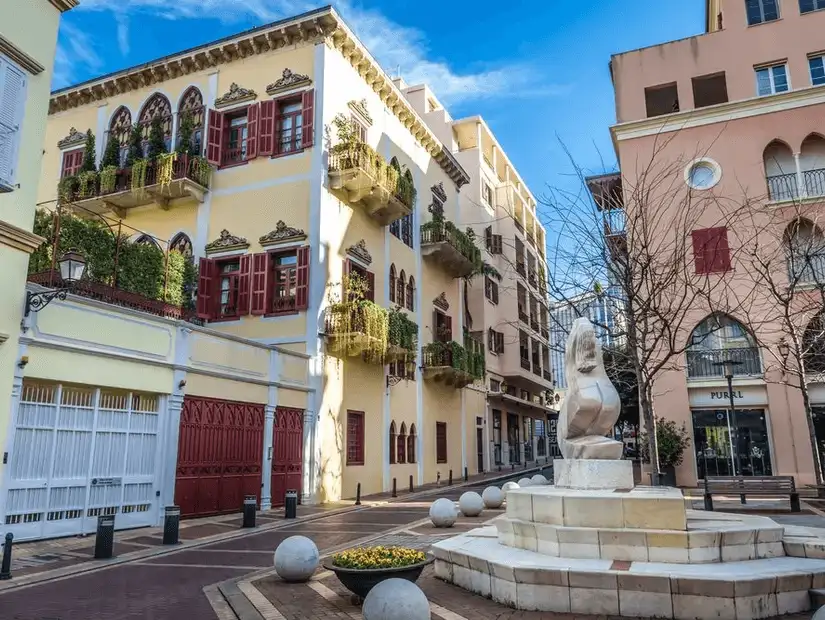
<point>719,397</point>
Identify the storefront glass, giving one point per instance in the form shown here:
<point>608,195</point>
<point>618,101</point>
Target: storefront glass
<point>712,443</point>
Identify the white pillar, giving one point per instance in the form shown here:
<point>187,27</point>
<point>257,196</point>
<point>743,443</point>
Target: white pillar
<point>266,459</point>
<point>800,183</point>
<point>308,495</point>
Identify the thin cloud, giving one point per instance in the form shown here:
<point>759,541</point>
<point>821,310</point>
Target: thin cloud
<point>122,33</point>
<point>75,55</point>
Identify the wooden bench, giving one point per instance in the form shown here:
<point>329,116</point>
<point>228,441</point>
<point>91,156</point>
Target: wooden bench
<point>772,486</point>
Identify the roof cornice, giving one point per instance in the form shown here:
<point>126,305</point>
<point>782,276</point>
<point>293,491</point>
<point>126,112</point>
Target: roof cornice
<point>64,5</point>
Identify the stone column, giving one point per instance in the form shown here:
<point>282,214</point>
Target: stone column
<point>308,495</point>
<point>505,453</point>
<point>800,182</point>
<point>174,406</point>
<point>266,468</point>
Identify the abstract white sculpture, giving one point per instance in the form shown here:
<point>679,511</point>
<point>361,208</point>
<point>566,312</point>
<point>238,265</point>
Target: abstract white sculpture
<point>296,559</point>
<point>470,504</point>
<point>396,599</point>
<point>493,497</point>
<point>591,405</point>
<point>443,512</point>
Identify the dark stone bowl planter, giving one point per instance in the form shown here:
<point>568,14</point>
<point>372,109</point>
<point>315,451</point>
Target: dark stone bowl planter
<point>360,581</point>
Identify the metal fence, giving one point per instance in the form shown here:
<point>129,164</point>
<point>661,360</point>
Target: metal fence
<point>706,362</point>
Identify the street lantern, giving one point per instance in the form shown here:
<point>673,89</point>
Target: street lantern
<point>729,366</point>
<point>784,349</point>
<point>72,268</point>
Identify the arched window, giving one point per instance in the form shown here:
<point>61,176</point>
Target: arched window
<point>411,294</point>
<point>805,247</point>
<point>394,163</point>
<point>813,346</point>
<point>718,339</point>
<point>812,165</point>
<point>401,287</point>
<point>392,283</point>
<point>402,443</point>
<point>119,128</point>
<point>411,445</point>
<point>191,105</point>
<point>392,442</point>
<point>157,106</point>
<point>780,171</point>
<point>183,244</point>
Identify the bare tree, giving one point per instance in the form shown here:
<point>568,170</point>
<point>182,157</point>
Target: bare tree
<point>634,232</point>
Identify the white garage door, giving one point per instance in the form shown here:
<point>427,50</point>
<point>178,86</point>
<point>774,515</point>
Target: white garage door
<point>79,452</point>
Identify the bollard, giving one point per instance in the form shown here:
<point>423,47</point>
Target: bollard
<point>438,478</point>
<point>105,537</point>
<point>450,482</point>
<point>249,502</point>
<point>358,495</point>
<point>411,483</point>
<point>394,488</point>
<point>525,463</point>
<point>171,525</point>
<point>291,504</point>
<point>513,466</point>
<point>5,568</point>
<point>466,475</point>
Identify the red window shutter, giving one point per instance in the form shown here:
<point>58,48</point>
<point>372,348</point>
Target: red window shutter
<point>214,137</point>
<point>302,279</point>
<point>699,242</point>
<point>207,274</point>
<point>261,287</point>
<point>266,128</point>
<point>308,115</point>
<point>252,114</point>
<point>441,442</point>
<point>370,286</point>
<point>719,250</point>
<point>72,160</point>
<point>448,324</point>
<point>488,237</point>
<point>244,281</point>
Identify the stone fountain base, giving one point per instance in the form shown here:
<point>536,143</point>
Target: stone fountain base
<point>634,552</point>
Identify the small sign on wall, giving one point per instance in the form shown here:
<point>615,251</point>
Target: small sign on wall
<point>719,397</point>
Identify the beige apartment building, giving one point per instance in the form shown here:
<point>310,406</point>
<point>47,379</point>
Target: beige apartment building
<point>739,109</point>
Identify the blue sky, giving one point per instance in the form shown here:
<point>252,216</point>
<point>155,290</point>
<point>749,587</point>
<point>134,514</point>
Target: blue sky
<point>536,70</point>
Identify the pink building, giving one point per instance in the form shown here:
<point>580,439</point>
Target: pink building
<point>736,111</point>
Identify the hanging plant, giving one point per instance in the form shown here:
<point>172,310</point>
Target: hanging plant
<point>86,183</point>
<point>200,170</point>
<point>139,168</point>
<point>357,326</point>
<point>67,188</point>
<point>403,333</point>
<point>165,164</point>
<point>108,178</point>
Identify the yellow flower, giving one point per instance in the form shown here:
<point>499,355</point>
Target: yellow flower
<point>378,557</point>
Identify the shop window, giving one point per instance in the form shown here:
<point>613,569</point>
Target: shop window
<point>729,443</point>
<point>355,437</point>
<point>440,442</point>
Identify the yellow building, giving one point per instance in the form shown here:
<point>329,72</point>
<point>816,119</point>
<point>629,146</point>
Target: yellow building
<point>336,272</point>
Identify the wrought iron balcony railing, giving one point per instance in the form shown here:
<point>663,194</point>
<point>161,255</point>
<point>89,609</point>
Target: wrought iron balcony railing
<point>705,363</point>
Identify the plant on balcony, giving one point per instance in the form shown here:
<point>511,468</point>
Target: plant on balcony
<point>111,154</point>
<point>86,183</point>
<point>441,229</point>
<point>186,145</point>
<point>108,178</point>
<point>157,144</point>
<point>403,335</point>
<point>88,164</point>
<point>67,188</point>
<point>165,164</point>
<point>139,167</point>
<point>135,151</point>
<point>200,170</point>
<point>356,325</point>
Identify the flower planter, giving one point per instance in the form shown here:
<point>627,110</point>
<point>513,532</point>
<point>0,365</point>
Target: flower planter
<point>361,581</point>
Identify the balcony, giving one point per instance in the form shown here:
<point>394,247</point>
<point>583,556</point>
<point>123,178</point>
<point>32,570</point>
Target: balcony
<point>545,333</point>
<point>522,315</point>
<point>357,328</point>
<point>452,364</point>
<point>704,364</point>
<point>531,239</point>
<point>402,337</point>
<point>807,269</point>
<point>521,268</point>
<point>525,363</point>
<point>365,178</point>
<point>537,366</point>
<point>534,322</point>
<point>519,227</point>
<point>170,177</point>
<point>532,278</point>
<point>783,187</point>
<point>450,247</point>
<point>548,376</point>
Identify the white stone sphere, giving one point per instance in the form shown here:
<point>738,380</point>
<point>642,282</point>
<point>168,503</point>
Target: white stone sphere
<point>819,614</point>
<point>493,497</point>
<point>470,504</point>
<point>396,599</point>
<point>525,482</point>
<point>538,480</point>
<point>509,486</point>
<point>296,559</point>
<point>443,512</point>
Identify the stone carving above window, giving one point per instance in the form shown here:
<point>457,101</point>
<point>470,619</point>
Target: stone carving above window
<point>236,94</point>
<point>282,234</point>
<point>225,242</point>
<point>360,108</point>
<point>359,251</point>
<point>441,302</point>
<point>74,138</point>
<point>287,81</point>
<point>438,190</point>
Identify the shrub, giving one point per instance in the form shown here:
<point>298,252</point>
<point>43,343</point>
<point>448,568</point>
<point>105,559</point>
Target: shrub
<point>366,558</point>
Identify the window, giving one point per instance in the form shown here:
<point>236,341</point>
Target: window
<point>355,437</point>
<point>401,286</point>
<point>238,136</point>
<point>401,443</point>
<point>703,174</point>
<point>351,268</point>
<point>487,193</point>
<point>290,126</point>
<point>710,250</point>
<point>492,242</point>
<point>443,327</point>
<point>12,108</point>
<point>495,384</point>
<point>806,6</point>
<point>411,294</point>
<point>402,230</point>
<point>411,438</point>
<point>495,342</point>
<point>72,161</point>
<point>761,11</point>
<point>230,288</point>
<point>183,244</point>
<point>709,90</point>
<point>358,129</point>
<point>440,442</point>
<point>392,283</point>
<point>491,290</point>
<point>817,65</point>
<point>285,281</point>
<point>662,99</point>
<point>524,349</point>
<point>772,80</point>
<point>392,443</point>
<point>191,106</point>
<point>404,369</point>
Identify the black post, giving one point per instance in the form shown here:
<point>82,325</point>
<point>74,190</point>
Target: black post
<point>5,569</point>
<point>513,466</point>
<point>291,504</point>
<point>105,537</point>
<point>450,483</point>
<point>734,435</point>
<point>249,505</point>
<point>394,488</point>
<point>525,462</point>
<point>171,525</point>
<point>358,494</point>
<point>466,475</point>
<point>411,483</point>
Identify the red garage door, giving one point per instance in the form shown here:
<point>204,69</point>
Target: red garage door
<point>288,449</point>
<point>219,455</point>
